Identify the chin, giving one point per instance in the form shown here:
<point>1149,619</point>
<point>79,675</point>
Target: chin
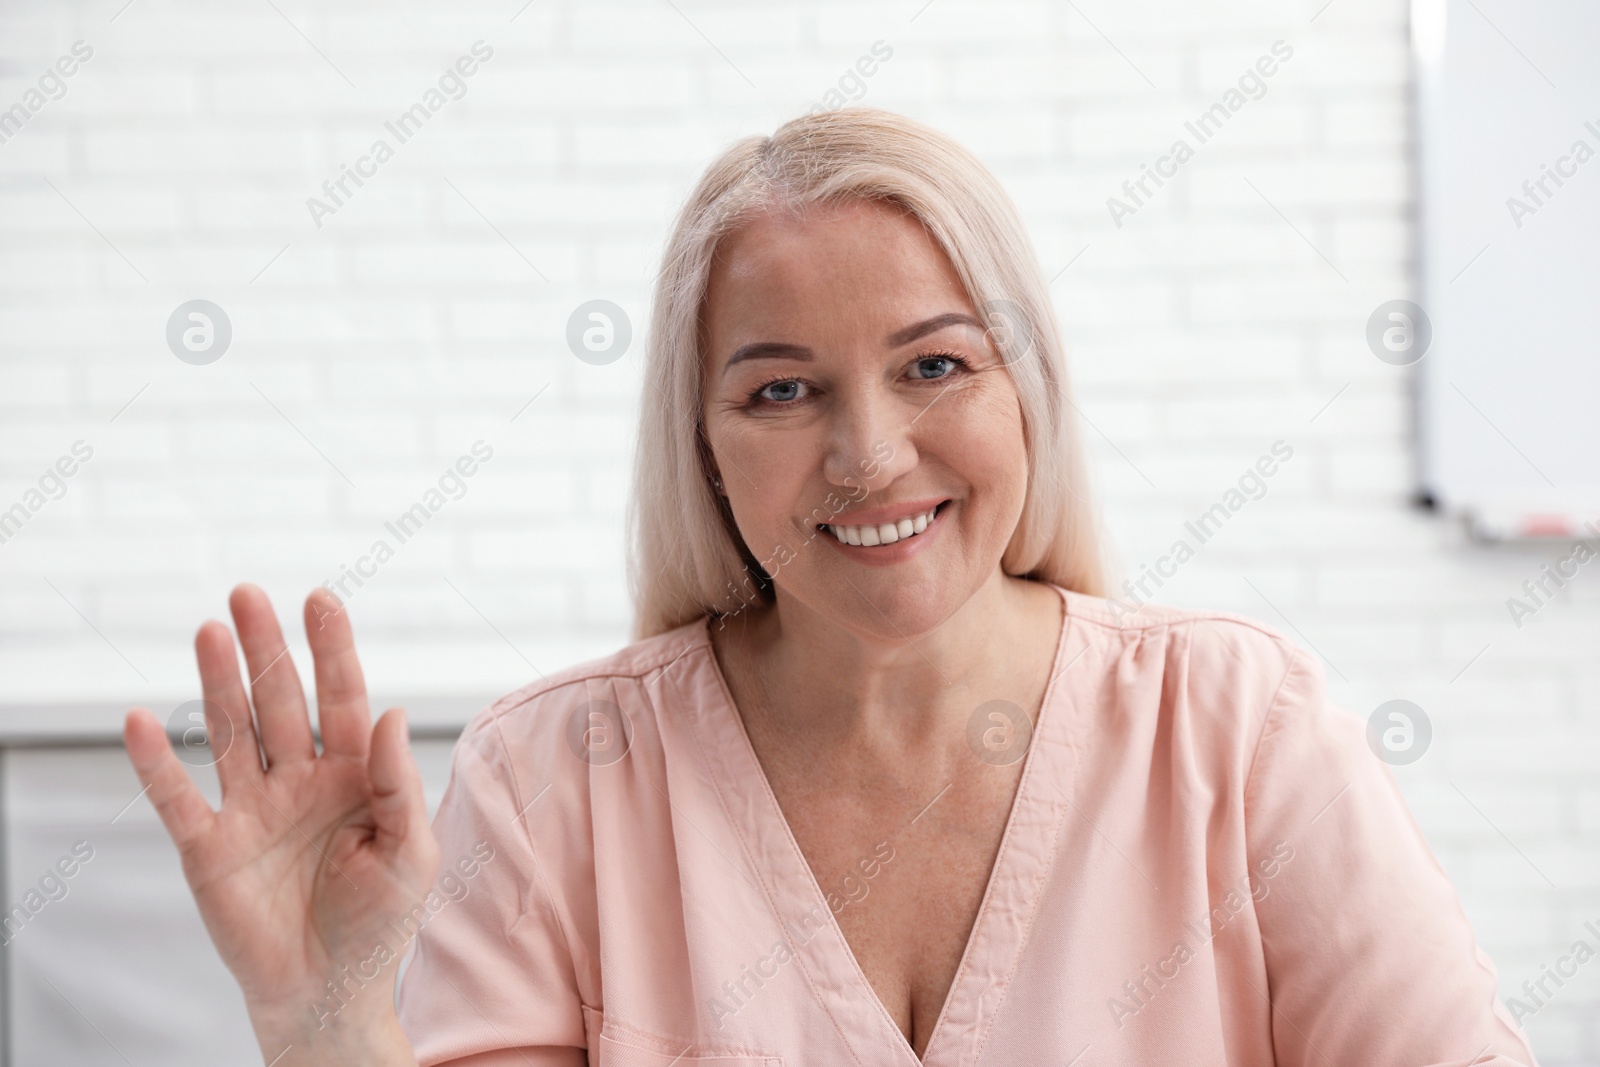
<point>889,605</point>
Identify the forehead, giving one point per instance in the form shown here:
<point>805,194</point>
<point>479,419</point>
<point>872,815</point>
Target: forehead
<point>834,266</point>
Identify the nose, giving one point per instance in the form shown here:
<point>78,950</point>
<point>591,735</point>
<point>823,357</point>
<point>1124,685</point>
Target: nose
<point>870,443</point>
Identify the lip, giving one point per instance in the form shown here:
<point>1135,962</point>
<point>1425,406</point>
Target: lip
<point>900,551</point>
<point>887,513</point>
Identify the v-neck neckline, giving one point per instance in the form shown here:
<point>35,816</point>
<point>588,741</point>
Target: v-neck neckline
<point>999,930</point>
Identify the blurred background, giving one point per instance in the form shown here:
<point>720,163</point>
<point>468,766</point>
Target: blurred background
<point>239,340</point>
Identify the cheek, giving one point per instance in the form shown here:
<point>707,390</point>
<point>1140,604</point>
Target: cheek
<point>983,440</point>
<point>764,473</point>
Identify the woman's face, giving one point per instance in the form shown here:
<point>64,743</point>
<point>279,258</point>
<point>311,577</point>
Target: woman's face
<point>850,387</point>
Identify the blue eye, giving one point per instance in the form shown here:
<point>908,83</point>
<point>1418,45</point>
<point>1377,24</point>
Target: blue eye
<point>786,392</point>
<point>931,363</point>
<point>780,391</point>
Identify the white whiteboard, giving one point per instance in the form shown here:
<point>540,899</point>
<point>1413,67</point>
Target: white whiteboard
<point>1509,391</point>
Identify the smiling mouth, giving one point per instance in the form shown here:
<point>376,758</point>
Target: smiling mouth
<point>884,533</point>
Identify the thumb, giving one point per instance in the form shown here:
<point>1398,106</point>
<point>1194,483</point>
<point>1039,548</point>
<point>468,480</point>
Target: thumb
<point>398,805</point>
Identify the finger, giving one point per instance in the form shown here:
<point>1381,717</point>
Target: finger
<point>229,729</point>
<point>183,810</point>
<point>274,683</point>
<point>399,808</point>
<point>341,689</point>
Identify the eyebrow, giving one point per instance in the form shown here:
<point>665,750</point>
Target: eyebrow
<point>784,350</point>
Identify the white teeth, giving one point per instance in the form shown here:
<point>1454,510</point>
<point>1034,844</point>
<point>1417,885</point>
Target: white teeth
<point>883,534</point>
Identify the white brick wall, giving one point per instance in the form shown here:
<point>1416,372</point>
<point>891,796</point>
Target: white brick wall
<point>406,328</point>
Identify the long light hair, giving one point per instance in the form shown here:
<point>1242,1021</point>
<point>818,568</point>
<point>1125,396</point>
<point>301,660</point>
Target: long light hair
<point>687,557</point>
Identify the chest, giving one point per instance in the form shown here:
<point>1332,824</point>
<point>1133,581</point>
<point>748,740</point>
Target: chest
<point>903,865</point>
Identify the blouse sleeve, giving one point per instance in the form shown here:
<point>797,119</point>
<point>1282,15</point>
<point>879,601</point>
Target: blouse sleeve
<point>1369,956</point>
<point>491,981</point>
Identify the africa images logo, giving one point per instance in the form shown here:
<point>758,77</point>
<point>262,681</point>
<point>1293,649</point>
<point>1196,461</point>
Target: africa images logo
<point>1252,85</point>
<point>452,84</point>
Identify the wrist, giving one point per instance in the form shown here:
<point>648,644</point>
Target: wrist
<point>379,1042</point>
<point>342,1025</point>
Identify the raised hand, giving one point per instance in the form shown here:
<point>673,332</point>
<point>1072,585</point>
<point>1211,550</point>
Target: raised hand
<point>299,874</point>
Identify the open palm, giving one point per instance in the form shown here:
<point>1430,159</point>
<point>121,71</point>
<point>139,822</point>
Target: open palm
<point>300,873</point>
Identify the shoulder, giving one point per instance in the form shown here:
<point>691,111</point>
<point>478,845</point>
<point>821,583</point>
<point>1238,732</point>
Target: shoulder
<point>1220,670</point>
<point>1203,636</point>
<point>552,714</point>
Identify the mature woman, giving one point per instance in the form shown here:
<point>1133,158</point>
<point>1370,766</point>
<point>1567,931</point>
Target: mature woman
<point>883,780</point>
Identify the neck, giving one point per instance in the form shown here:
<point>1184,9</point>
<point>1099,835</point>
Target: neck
<point>809,673</point>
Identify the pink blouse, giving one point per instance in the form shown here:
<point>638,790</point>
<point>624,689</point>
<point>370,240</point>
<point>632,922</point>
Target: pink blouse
<point>1203,864</point>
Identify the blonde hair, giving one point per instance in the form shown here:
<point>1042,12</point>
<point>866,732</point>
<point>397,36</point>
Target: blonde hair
<point>687,558</point>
